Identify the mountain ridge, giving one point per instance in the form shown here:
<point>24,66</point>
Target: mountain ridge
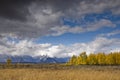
<point>30,59</point>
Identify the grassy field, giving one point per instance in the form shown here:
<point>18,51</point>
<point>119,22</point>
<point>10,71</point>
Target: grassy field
<point>62,73</point>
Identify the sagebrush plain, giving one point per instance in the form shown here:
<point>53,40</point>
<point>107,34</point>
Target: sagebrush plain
<point>82,72</point>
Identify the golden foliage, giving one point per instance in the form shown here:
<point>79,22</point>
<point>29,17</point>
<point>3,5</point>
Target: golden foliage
<point>96,59</point>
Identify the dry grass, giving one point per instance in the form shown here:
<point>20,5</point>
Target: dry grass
<point>61,74</point>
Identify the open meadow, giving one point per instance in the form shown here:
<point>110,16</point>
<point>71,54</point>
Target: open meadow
<point>82,72</point>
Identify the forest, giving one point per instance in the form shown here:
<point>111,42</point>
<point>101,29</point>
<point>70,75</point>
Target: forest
<point>112,58</point>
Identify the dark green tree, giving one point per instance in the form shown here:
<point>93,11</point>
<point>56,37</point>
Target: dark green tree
<point>8,63</point>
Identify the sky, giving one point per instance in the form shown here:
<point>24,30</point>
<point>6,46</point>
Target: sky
<point>59,28</point>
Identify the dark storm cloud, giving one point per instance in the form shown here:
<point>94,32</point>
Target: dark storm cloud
<point>18,9</point>
<point>35,18</point>
<point>14,9</point>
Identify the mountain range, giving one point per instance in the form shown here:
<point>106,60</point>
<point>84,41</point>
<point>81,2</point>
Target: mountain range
<point>30,59</point>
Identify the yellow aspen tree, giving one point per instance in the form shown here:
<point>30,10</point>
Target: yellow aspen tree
<point>92,59</point>
<point>101,57</point>
<point>83,56</point>
<point>117,57</point>
<point>110,59</point>
<point>79,60</point>
<point>73,60</point>
<point>114,55</point>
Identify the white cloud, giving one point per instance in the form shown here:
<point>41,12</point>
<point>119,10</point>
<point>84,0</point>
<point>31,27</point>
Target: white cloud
<point>79,29</point>
<point>56,31</point>
<point>115,32</point>
<point>25,47</point>
<point>94,6</point>
<point>100,24</point>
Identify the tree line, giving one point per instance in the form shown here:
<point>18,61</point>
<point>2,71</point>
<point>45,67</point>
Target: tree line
<point>112,58</point>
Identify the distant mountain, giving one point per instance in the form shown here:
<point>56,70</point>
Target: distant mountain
<point>30,59</point>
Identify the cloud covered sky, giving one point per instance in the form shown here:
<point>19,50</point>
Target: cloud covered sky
<point>59,28</point>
